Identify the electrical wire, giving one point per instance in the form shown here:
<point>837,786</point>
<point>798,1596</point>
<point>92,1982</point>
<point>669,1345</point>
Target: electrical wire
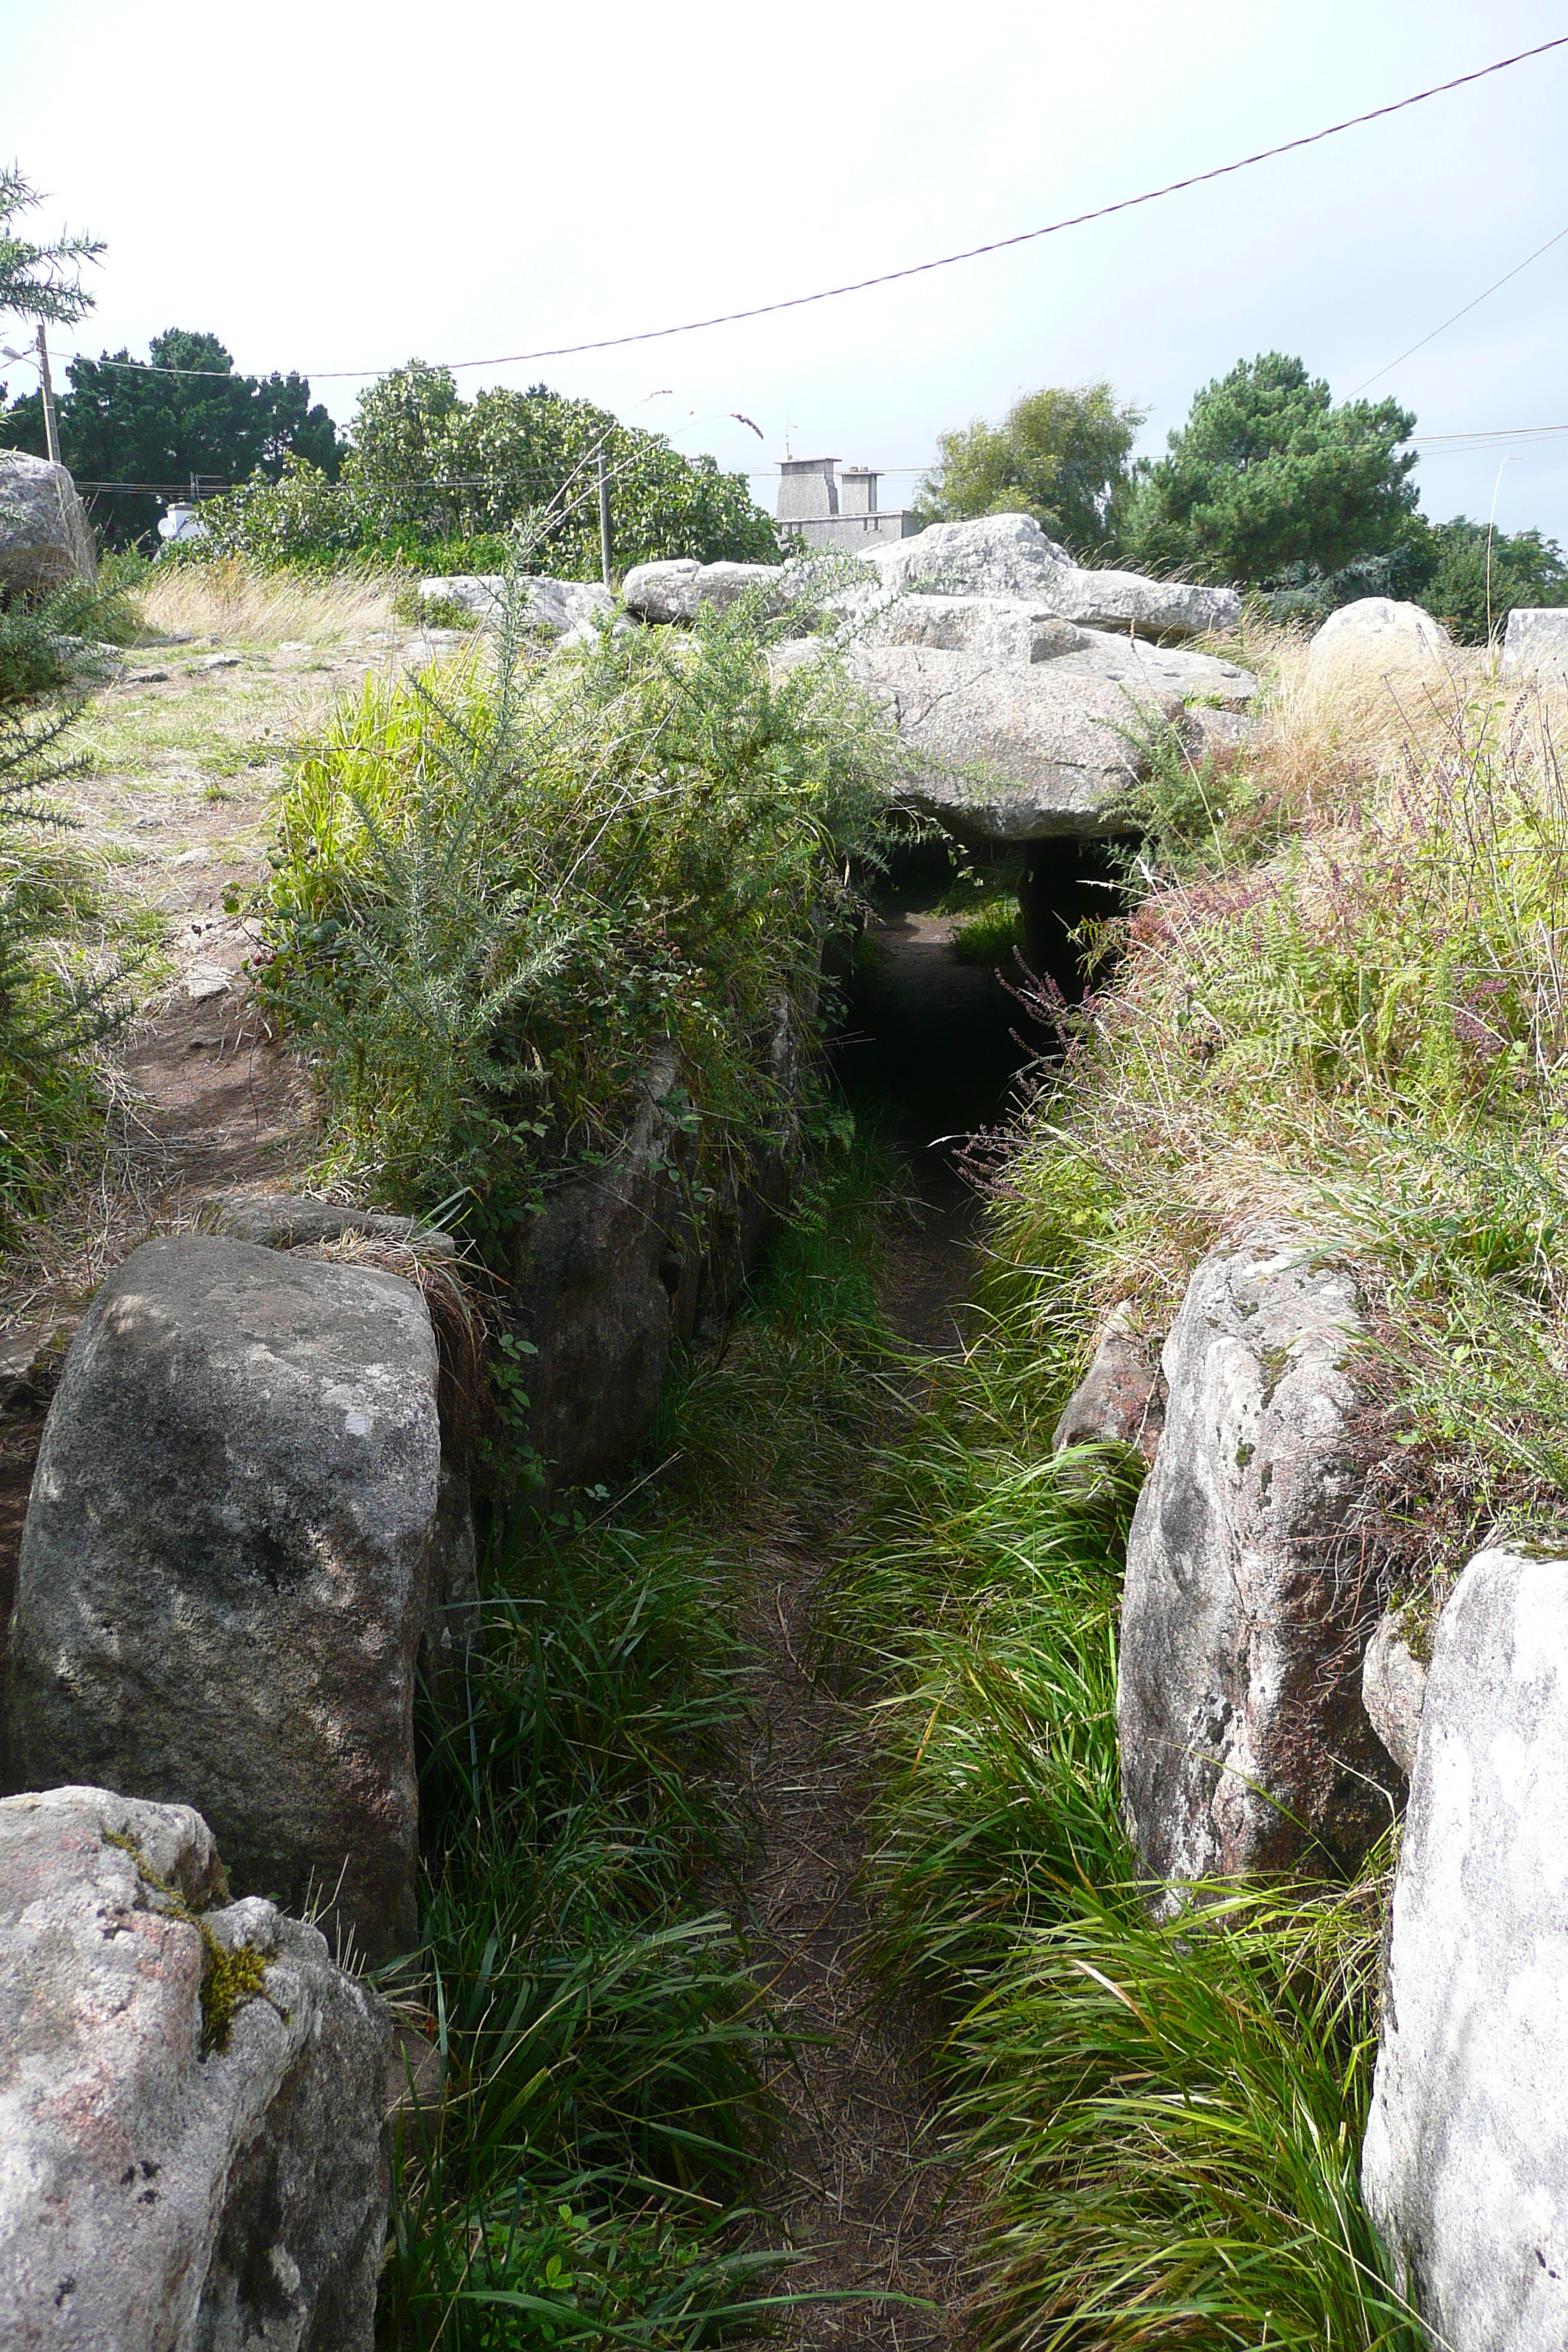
<point>943,261</point>
<point>1461,314</point>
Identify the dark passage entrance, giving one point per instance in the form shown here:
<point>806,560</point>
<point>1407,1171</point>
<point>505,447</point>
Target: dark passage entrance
<point>1065,883</point>
<point>930,1049</point>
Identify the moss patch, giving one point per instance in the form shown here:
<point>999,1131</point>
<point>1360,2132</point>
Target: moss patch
<point>229,1979</point>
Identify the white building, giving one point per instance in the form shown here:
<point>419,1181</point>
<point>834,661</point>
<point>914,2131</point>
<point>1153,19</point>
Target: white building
<point>182,522</point>
<point>819,508</point>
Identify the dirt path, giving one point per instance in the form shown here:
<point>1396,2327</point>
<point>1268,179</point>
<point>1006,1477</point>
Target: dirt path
<point>184,752</point>
<point>860,2181</point>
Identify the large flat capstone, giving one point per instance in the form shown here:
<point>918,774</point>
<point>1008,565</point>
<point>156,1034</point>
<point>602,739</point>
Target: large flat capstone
<point>1465,2164</point>
<point>225,1571</point>
<point>1039,749</point>
<point>1246,1615</point>
<point>179,2167</point>
<point>1010,556</point>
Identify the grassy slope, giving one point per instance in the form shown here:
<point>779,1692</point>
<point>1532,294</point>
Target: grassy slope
<point>1340,996</point>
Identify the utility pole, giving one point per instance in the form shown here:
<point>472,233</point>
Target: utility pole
<point>46,384</point>
<point>603,520</point>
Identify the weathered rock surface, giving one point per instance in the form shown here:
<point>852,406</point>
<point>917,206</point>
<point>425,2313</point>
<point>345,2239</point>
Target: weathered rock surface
<point>1378,626</point>
<point>566,609</point>
<point>1465,2165</point>
<point>1010,556</point>
<point>1120,1399</point>
<point>619,1266</point>
<point>226,1568</point>
<point>287,1219</point>
<point>1536,639</point>
<point>674,589</point>
<point>1245,1746</point>
<point>1005,630</point>
<point>43,539</point>
<point>151,2194</point>
<point>1037,752</point>
<point>1393,1689</point>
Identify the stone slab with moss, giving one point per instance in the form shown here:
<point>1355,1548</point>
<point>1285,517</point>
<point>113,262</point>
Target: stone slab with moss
<point>192,2097</point>
<point>1245,1744</point>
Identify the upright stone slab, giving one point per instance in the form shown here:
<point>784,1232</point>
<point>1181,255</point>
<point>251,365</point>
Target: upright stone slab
<point>1535,641</point>
<point>1465,2165</point>
<point>224,1574</point>
<point>1244,1745</point>
<point>178,2169</point>
<point>43,539</point>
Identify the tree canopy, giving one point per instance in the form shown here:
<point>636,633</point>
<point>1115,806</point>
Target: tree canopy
<point>1472,587</point>
<point>126,420</point>
<point>1267,474</point>
<point>427,470</point>
<point>39,281</point>
<point>1059,454</point>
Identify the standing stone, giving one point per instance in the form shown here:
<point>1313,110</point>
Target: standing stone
<point>1380,627</point>
<point>223,1577</point>
<point>1465,2165</point>
<point>1393,1689</point>
<point>170,2177</point>
<point>1245,1746</point>
<point>1121,1400</point>
<point>43,539</point>
<point>1536,641</point>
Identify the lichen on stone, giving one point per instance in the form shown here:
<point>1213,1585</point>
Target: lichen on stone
<point>229,1979</point>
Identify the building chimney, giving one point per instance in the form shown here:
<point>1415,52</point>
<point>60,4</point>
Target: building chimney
<point>807,490</point>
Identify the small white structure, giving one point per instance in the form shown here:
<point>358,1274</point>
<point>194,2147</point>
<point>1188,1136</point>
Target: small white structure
<point>181,522</point>
<point>817,508</point>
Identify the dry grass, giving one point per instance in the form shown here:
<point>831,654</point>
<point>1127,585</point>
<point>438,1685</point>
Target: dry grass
<point>231,600</point>
<point>1364,1024</point>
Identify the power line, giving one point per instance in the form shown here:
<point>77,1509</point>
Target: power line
<point>1461,314</point>
<point>1436,445</point>
<point>921,268</point>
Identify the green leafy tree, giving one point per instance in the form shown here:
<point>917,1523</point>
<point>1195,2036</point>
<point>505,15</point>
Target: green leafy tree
<point>1060,455</point>
<point>126,420</point>
<point>1525,568</point>
<point>39,281</point>
<point>1268,474</point>
<point>429,473</point>
<point>402,467</point>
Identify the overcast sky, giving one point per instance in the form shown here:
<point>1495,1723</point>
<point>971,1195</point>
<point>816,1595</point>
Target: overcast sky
<point>334,189</point>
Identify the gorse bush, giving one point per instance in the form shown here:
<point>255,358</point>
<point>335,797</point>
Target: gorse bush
<point>499,898</point>
<point>47,642</point>
<point>61,991</point>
